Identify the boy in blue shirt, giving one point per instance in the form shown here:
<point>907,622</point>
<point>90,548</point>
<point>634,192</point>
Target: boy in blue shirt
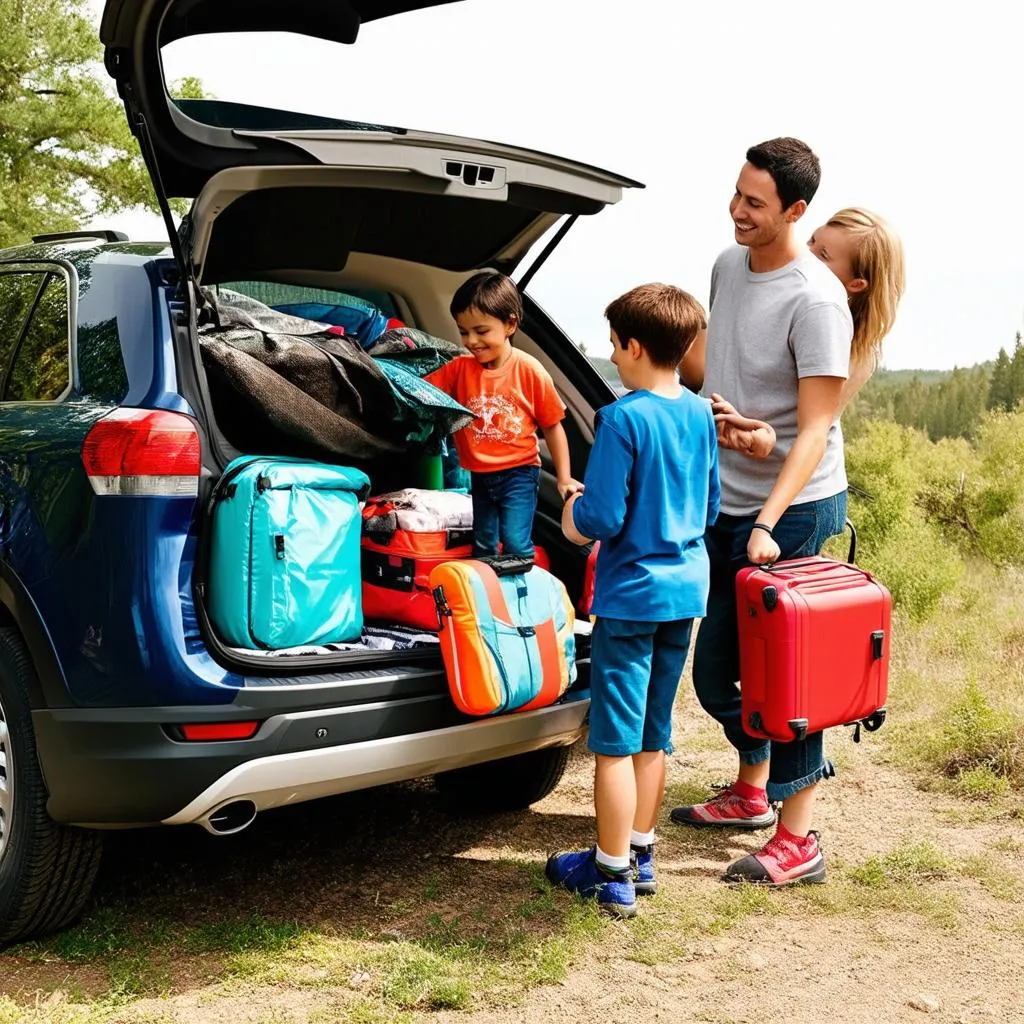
<point>650,490</point>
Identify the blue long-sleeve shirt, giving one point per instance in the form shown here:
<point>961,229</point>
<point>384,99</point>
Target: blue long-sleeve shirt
<point>651,488</point>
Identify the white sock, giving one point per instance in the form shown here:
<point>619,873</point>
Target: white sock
<point>606,860</point>
<point>641,838</point>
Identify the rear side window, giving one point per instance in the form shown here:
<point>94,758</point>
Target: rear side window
<point>17,293</point>
<point>35,357</point>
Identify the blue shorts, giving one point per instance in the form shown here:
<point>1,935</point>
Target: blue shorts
<point>634,674</point>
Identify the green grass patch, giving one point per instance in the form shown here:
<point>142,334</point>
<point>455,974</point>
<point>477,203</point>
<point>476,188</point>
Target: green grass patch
<point>911,879</point>
<point>979,747</point>
<point>103,933</point>
<point>996,880</point>
<point>364,1011</point>
<point>684,794</point>
<point>670,925</point>
<point>245,935</point>
<point>64,1011</point>
<point>909,864</point>
<point>957,692</point>
<point>438,960</point>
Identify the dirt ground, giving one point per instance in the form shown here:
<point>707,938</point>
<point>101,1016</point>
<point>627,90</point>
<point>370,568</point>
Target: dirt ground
<point>336,864</point>
<point>809,968</point>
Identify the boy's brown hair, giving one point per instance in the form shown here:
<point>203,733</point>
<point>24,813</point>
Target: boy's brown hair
<point>663,319</point>
<point>492,293</point>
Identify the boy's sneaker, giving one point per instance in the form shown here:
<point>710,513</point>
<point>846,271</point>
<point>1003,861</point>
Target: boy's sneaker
<point>641,859</point>
<point>728,810</point>
<point>580,872</point>
<point>785,859</point>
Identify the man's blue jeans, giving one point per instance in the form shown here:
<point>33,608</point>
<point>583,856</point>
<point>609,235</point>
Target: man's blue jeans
<point>504,504</point>
<point>801,532</point>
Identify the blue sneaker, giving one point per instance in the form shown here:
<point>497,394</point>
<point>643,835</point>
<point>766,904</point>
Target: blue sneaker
<point>579,872</point>
<point>642,860</point>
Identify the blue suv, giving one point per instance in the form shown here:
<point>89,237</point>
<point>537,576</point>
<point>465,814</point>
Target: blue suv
<point>119,704</point>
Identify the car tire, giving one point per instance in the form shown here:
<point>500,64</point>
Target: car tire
<point>508,784</point>
<point>46,870</point>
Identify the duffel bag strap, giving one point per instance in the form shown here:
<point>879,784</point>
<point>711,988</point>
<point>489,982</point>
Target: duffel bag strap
<point>551,665</point>
<point>545,632</point>
<point>492,587</point>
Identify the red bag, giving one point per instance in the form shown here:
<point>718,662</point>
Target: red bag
<point>405,534</point>
<point>587,597</point>
<point>814,647</point>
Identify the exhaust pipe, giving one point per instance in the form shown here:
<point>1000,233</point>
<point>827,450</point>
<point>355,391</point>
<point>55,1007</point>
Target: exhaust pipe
<point>229,818</point>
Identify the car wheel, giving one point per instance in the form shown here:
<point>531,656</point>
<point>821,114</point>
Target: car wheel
<point>46,870</point>
<point>510,783</point>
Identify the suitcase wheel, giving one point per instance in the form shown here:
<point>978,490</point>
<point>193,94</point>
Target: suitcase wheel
<point>798,726</point>
<point>876,721</point>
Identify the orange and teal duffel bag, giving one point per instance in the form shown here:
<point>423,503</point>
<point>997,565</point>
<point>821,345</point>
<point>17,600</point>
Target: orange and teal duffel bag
<point>506,634</point>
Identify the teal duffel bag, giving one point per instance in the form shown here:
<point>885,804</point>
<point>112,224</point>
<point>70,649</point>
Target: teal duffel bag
<point>284,553</point>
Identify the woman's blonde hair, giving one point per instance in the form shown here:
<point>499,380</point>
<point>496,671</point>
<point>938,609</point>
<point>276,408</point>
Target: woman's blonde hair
<point>878,258</point>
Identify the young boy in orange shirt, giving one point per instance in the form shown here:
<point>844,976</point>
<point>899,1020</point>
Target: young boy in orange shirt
<point>511,395</point>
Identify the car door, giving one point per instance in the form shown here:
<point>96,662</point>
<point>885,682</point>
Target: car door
<point>43,423</point>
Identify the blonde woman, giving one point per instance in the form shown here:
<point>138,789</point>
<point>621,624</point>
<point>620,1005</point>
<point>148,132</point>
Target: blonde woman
<point>866,254</point>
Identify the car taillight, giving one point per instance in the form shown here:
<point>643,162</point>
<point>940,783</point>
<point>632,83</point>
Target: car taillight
<point>143,452</point>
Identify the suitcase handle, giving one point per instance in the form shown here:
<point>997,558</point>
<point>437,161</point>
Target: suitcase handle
<point>851,556</point>
<point>508,565</point>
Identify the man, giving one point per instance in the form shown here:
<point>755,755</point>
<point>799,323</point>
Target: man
<point>778,349</point>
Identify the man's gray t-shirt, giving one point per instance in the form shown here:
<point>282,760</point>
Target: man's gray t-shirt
<point>765,332</point>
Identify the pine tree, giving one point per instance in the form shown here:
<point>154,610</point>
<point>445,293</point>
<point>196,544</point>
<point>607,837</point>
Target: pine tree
<point>999,382</point>
<point>1015,386</point>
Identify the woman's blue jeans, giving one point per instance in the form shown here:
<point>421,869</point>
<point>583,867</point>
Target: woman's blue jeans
<point>801,532</point>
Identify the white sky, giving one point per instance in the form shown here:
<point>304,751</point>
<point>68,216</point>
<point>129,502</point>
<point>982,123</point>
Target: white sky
<point>914,110</point>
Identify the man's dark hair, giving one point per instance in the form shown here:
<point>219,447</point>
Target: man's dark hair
<point>662,318</point>
<point>492,293</point>
<point>793,166</point>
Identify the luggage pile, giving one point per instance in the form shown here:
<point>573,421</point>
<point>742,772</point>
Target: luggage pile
<point>303,560</point>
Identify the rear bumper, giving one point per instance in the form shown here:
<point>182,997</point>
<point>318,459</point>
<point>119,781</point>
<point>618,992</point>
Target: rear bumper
<point>290,778</point>
<point>124,767</point>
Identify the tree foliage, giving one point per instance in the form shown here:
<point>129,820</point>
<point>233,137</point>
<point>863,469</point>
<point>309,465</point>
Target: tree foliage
<point>66,152</point>
<point>1006,386</point>
<point>941,404</point>
<point>923,508</point>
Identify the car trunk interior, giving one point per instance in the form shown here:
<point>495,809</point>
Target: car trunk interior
<point>418,295</point>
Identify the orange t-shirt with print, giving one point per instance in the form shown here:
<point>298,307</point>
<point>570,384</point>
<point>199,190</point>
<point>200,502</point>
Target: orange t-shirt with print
<point>509,404</point>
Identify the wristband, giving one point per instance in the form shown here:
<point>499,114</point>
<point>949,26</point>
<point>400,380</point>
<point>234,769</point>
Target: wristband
<point>764,526</point>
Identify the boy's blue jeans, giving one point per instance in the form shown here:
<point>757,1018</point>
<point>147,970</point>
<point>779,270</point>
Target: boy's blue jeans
<point>801,532</point>
<point>504,504</point>
<point>634,675</point>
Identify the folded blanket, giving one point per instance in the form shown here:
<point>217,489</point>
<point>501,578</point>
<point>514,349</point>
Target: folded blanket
<point>291,385</point>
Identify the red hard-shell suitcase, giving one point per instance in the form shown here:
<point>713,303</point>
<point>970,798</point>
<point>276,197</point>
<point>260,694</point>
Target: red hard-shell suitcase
<point>395,575</point>
<point>814,647</point>
<point>405,534</point>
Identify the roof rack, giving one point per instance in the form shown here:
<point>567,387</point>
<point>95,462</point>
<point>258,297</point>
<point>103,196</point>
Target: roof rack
<point>64,236</point>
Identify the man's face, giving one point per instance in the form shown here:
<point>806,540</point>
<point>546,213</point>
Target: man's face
<point>757,215</point>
